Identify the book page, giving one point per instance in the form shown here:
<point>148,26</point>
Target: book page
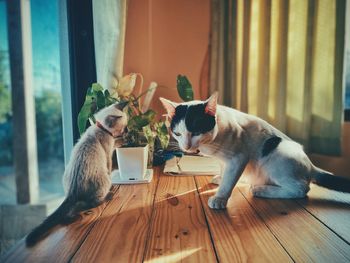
<point>193,165</point>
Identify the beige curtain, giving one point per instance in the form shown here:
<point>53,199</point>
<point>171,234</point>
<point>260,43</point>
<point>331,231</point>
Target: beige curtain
<point>109,37</point>
<point>282,60</point>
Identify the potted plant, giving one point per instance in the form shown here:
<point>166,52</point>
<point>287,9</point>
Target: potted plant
<point>144,131</point>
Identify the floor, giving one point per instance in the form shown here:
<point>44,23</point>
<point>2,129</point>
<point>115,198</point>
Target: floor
<point>168,220</point>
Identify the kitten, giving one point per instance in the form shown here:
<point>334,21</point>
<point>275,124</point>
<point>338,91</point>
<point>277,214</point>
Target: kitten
<point>279,166</point>
<point>87,178</point>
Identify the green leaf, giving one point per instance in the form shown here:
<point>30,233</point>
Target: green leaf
<point>100,100</point>
<point>184,88</point>
<point>150,115</point>
<point>130,112</point>
<point>163,135</point>
<point>107,94</point>
<point>93,106</point>
<point>96,87</point>
<point>137,122</point>
<point>109,100</point>
<point>88,109</point>
<point>163,129</point>
<point>83,116</point>
<point>147,131</point>
<point>164,141</point>
<point>131,138</point>
<point>89,93</point>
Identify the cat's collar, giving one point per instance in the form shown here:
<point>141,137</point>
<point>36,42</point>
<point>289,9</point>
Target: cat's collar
<point>98,124</point>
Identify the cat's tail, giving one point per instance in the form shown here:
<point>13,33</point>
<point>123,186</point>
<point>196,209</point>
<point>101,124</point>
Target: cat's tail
<point>65,213</point>
<point>330,181</point>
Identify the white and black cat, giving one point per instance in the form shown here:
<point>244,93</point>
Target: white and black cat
<point>87,177</point>
<point>278,166</point>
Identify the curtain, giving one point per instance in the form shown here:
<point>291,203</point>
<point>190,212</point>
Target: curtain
<point>282,60</point>
<point>109,37</point>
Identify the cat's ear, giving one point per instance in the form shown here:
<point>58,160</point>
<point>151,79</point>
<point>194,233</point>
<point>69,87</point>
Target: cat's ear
<point>211,103</point>
<point>111,120</point>
<point>169,106</point>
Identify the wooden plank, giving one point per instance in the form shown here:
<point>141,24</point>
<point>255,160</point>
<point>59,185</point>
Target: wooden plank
<point>331,208</point>
<point>238,233</point>
<point>121,232</point>
<point>61,244</point>
<point>179,231</point>
<point>304,237</point>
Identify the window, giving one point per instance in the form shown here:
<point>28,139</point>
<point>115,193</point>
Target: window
<point>47,94</point>
<point>7,179</point>
<point>47,90</point>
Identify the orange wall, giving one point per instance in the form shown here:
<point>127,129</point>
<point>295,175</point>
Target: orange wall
<point>165,38</point>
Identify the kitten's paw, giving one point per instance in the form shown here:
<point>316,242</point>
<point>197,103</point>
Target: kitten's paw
<point>215,202</point>
<point>216,179</point>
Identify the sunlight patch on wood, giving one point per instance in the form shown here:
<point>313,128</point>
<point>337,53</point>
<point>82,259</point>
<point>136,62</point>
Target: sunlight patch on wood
<point>169,196</point>
<point>175,257</point>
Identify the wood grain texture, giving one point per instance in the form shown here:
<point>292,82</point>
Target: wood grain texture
<point>60,245</point>
<point>304,237</point>
<point>238,233</point>
<point>121,232</point>
<point>179,231</point>
<point>169,220</point>
<point>331,208</point>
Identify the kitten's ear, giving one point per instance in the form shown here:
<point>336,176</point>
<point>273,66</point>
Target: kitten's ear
<point>111,120</point>
<point>211,104</point>
<point>169,106</point>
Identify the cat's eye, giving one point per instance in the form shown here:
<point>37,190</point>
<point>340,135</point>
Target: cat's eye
<point>177,134</point>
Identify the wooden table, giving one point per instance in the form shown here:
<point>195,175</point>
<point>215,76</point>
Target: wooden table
<point>169,220</point>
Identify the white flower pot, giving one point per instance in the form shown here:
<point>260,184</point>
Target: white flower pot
<point>132,162</point>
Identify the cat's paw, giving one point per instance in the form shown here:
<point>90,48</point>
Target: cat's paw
<point>216,179</point>
<point>215,202</point>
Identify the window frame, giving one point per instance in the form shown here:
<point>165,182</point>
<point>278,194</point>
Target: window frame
<point>78,68</point>
<point>347,115</point>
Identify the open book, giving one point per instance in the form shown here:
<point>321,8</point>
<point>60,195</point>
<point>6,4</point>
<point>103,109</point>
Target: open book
<point>193,165</point>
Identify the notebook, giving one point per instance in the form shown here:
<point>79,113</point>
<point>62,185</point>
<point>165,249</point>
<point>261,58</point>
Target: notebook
<point>193,165</point>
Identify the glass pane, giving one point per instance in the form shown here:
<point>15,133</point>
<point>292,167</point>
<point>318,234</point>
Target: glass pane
<point>7,178</point>
<point>46,70</point>
<point>347,77</point>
